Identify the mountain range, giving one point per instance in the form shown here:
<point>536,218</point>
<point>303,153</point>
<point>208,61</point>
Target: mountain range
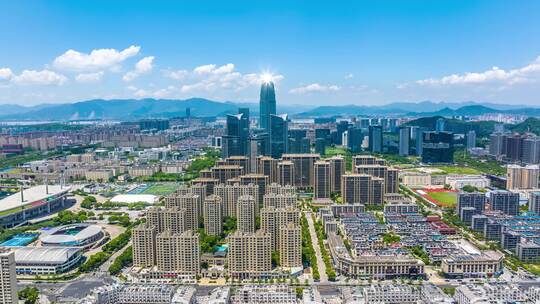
<point>132,109</point>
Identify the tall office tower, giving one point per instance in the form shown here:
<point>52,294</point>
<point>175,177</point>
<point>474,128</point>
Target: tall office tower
<point>267,104</point>
<point>531,150</point>
<point>437,147</point>
<point>290,246</point>
<point>225,172</point>
<point>322,187</point>
<point>355,188</point>
<point>404,141</point>
<point>229,195</point>
<point>303,168</point>
<point>355,139</point>
<point>281,200</point>
<point>337,169</point>
<point>268,166</point>
<point>286,173</point>
<point>298,141</point>
<point>178,253</point>
<point>496,144</point>
<point>324,134</point>
<point>241,161</point>
<point>320,146</point>
<point>235,140</point>
<point>246,211</point>
<point>534,202</point>
<point>190,203</point>
<point>144,245</point>
<point>472,202</point>
<point>360,160</point>
<point>213,216</point>
<point>259,180</point>
<point>272,219</point>
<point>376,191</point>
<point>259,144</point>
<point>419,141</point>
<point>341,127</point>
<point>275,188</point>
<point>375,139</point>
<point>171,219</point>
<point>440,125</point>
<point>279,128</point>
<point>520,178</point>
<point>505,201</point>
<point>8,279</point>
<point>249,255</point>
<point>471,139</point>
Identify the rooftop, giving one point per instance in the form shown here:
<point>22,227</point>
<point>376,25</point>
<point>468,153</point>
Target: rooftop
<point>31,195</point>
<point>44,255</point>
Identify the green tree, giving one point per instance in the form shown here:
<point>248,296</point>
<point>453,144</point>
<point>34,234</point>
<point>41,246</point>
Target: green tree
<point>29,295</point>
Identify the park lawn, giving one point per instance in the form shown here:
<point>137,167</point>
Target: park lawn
<point>332,151</point>
<point>161,189</point>
<point>458,170</point>
<point>445,199</point>
<point>533,268</point>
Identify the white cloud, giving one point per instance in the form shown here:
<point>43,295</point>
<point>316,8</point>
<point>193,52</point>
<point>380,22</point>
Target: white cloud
<point>315,87</point>
<point>144,66</point>
<point>160,93</point>
<point>98,59</point>
<point>44,77</point>
<point>494,75</point>
<point>176,75</point>
<point>89,77</point>
<point>349,76</point>
<point>6,74</point>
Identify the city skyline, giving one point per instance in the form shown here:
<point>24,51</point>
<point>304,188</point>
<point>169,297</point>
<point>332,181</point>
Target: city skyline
<point>362,53</point>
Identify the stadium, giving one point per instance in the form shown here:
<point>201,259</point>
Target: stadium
<point>33,202</point>
<point>46,260</point>
<point>74,235</point>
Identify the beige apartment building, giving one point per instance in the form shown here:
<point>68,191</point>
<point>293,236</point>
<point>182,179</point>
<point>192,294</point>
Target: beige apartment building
<point>230,193</point>
<point>144,245</point>
<point>272,219</point>
<point>279,200</point>
<point>246,211</point>
<point>8,279</point>
<point>275,188</point>
<point>267,165</point>
<point>337,170</point>
<point>189,202</point>
<point>250,254</point>
<point>286,172</point>
<point>178,253</point>
<point>522,178</point>
<point>290,246</point>
<point>322,180</point>
<point>213,217</point>
<point>171,219</point>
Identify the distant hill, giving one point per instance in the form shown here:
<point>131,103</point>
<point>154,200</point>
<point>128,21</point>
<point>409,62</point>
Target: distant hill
<point>529,125</point>
<point>482,128</point>
<point>425,108</point>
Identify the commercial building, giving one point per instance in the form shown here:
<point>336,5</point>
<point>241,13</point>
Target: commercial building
<point>496,292</point>
<point>264,294</point>
<point>279,128</point>
<point>404,141</point>
<point>32,203</point>
<point>140,294</point>
<point>46,260</point>
<point>8,280</point>
<point>484,264</point>
<point>249,254</point>
<point>458,181</point>
<point>267,105</point>
<point>437,147</point>
<point>505,201</point>
<point>375,139</point>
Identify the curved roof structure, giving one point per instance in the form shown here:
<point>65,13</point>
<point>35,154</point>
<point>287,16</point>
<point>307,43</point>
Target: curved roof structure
<point>54,236</point>
<point>44,255</point>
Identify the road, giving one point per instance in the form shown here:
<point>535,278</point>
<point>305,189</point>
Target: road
<point>320,263</point>
<point>104,268</point>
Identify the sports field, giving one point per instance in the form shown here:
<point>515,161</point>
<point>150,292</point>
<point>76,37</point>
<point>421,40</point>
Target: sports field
<point>443,198</point>
<point>458,170</point>
<point>160,189</point>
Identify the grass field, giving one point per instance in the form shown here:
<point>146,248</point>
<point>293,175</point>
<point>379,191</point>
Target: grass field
<point>161,189</point>
<point>445,199</point>
<point>458,170</point>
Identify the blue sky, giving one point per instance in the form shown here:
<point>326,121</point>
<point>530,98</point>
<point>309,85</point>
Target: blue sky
<point>320,52</point>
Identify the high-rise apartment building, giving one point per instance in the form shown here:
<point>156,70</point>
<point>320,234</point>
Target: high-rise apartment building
<point>225,172</point>
<point>190,203</point>
<point>256,179</point>
<point>249,255</point>
<point>178,253</point>
<point>471,139</point>
<point>337,169</point>
<point>298,141</point>
<point>355,188</point>
<point>375,139</point>
<point>279,200</point>
<point>531,150</point>
<point>303,168</point>
<point>361,160</point>
<point>534,202</point>
<point>272,219</point>
<point>246,211</point>
<point>518,177</point>
<point>268,166</point>
<point>290,246</point>
<point>505,201</point>
<point>171,219</point>
<point>322,186</point>
<point>213,216</point>
<point>144,245</point>
<point>230,193</point>
<point>275,188</point>
<point>469,204</point>
<point>286,173</point>
<point>8,279</point>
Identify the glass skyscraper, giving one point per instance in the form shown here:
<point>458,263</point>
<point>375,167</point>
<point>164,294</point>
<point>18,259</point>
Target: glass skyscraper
<point>267,104</point>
